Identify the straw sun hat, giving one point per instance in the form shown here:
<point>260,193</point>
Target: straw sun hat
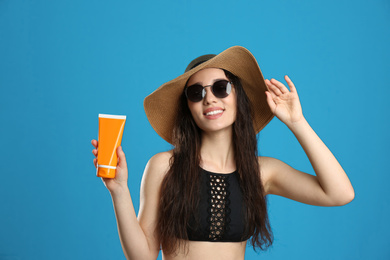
<point>161,106</point>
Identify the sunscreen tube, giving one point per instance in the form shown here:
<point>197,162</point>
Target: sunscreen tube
<point>110,137</point>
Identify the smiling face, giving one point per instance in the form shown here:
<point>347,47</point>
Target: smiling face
<point>212,113</point>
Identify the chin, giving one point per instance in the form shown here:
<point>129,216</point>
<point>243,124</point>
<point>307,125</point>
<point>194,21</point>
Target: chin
<point>216,128</point>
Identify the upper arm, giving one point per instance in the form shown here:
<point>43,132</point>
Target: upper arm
<point>154,173</point>
<point>281,179</point>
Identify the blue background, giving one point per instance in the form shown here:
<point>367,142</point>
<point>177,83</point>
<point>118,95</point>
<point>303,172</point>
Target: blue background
<point>64,62</point>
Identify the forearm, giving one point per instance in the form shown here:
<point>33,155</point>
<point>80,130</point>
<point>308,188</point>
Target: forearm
<point>133,239</point>
<point>331,176</point>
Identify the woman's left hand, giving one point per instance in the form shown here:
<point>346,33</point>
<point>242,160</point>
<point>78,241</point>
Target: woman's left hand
<point>284,103</point>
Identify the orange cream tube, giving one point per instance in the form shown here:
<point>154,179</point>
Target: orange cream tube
<point>110,137</point>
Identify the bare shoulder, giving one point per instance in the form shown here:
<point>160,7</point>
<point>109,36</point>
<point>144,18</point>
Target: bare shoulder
<point>154,173</point>
<point>156,168</point>
<point>160,161</point>
<point>268,167</point>
<point>269,162</point>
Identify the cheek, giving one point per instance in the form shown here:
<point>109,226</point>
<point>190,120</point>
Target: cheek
<point>194,109</point>
<point>233,104</point>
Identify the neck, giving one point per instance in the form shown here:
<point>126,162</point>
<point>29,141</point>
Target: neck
<point>217,152</point>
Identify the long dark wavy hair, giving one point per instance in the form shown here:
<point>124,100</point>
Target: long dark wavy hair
<point>179,192</point>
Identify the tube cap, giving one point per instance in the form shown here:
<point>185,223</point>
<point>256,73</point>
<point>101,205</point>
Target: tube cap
<point>105,172</point>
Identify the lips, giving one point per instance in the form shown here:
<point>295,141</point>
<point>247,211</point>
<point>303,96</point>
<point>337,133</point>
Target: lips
<point>213,112</point>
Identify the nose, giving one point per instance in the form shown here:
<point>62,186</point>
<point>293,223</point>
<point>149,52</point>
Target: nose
<point>208,96</point>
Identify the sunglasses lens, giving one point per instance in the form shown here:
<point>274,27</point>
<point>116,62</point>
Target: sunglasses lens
<point>222,88</point>
<point>194,93</point>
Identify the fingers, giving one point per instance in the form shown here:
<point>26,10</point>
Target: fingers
<point>95,151</point>
<point>273,88</point>
<point>280,88</point>
<point>94,143</point>
<point>270,101</point>
<point>121,157</point>
<point>119,151</point>
<point>290,84</point>
<point>277,87</point>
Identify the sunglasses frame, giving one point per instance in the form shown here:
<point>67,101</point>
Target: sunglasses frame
<point>228,89</point>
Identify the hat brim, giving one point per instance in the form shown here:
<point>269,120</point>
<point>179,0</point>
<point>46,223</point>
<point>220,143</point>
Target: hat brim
<point>161,105</point>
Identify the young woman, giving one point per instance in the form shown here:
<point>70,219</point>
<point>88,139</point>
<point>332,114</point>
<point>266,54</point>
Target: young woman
<point>206,197</point>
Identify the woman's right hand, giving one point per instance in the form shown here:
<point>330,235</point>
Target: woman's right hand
<point>121,173</point>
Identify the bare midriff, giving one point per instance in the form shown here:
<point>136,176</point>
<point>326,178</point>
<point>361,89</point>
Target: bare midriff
<point>210,251</point>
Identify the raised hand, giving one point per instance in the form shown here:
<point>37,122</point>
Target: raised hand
<point>284,103</point>
<point>121,174</point>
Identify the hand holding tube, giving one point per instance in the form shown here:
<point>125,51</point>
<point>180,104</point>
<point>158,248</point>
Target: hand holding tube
<point>121,175</point>
<point>135,243</point>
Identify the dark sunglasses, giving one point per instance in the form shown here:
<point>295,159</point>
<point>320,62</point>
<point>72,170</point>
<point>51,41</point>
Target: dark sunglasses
<point>197,92</point>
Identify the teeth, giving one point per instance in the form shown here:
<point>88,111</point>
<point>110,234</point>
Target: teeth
<point>214,112</point>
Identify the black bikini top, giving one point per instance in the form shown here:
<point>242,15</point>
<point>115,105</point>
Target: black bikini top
<point>220,216</point>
